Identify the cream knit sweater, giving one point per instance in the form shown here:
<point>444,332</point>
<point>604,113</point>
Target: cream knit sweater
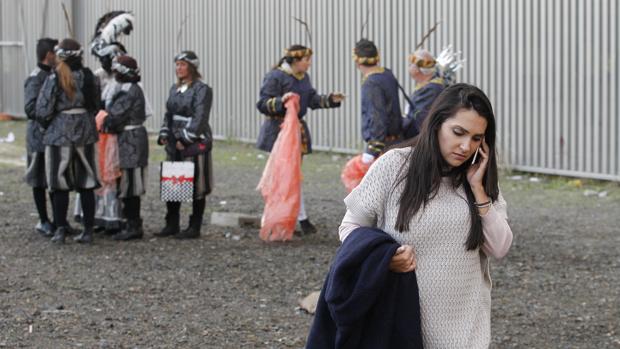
<point>454,284</point>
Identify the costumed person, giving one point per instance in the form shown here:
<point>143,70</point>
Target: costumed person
<point>105,46</point>
<point>438,196</point>
<point>290,77</point>
<point>35,172</point>
<point>67,105</point>
<point>186,135</point>
<point>126,115</point>
<point>432,75</point>
<point>381,119</point>
<point>428,86</point>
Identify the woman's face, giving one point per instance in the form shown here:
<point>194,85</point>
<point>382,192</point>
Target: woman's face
<point>460,136</point>
<point>182,70</point>
<point>302,65</point>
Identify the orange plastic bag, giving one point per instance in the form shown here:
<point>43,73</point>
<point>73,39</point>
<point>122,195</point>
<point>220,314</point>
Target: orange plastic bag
<point>280,184</point>
<point>109,162</point>
<point>353,172</point>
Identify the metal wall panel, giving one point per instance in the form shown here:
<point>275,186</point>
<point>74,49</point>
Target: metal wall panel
<point>549,67</point>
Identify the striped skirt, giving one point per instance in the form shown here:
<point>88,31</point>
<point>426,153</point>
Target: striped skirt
<point>71,167</point>
<point>133,182</point>
<point>35,171</point>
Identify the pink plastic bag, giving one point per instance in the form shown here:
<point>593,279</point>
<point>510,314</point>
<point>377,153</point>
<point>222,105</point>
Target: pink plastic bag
<point>353,172</point>
<point>109,162</point>
<point>280,184</point>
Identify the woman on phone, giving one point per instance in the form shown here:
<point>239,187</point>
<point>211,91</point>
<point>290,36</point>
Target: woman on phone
<point>447,213</point>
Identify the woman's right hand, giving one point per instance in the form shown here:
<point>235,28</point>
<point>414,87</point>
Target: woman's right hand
<point>403,260</point>
<point>162,140</point>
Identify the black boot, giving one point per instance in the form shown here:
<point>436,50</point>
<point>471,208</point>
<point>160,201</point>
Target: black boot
<point>59,235</point>
<point>86,236</point>
<point>133,230</point>
<point>172,225</point>
<point>307,227</point>
<point>193,230</point>
<point>45,228</point>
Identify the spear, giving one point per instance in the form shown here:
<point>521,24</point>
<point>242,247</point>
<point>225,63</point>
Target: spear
<point>180,32</point>
<point>430,31</point>
<point>69,26</point>
<point>307,30</point>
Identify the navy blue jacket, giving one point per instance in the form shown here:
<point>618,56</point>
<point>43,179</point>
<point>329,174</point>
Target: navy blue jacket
<point>363,304</point>
<point>275,84</point>
<point>381,119</point>
<point>422,99</point>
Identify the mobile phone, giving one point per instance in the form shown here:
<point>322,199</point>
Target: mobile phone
<point>473,161</point>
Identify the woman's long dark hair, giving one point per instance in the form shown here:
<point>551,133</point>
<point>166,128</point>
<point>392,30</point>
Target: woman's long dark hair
<point>427,165</point>
<point>290,60</point>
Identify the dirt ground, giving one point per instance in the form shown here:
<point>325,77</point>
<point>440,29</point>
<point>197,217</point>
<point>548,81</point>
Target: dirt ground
<point>559,287</point>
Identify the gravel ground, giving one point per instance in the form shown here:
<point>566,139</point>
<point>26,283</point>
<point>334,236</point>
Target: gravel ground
<point>559,286</point>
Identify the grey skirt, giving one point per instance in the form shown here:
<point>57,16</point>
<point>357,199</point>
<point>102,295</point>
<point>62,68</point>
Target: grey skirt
<point>71,167</point>
<point>133,182</point>
<point>35,170</point>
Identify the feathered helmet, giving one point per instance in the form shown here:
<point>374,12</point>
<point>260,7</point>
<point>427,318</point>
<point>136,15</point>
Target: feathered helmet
<point>189,57</point>
<point>109,28</point>
<point>447,63</point>
<point>298,51</point>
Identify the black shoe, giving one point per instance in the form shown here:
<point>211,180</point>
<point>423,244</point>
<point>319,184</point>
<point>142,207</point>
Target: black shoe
<point>189,233</point>
<point>59,235</point>
<point>169,229</point>
<point>45,228</point>
<point>172,224</point>
<point>193,230</point>
<point>133,230</point>
<point>307,227</point>
<point>86,237</point>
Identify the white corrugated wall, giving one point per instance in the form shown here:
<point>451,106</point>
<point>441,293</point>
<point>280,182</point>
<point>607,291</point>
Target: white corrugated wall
<point>550,67</point>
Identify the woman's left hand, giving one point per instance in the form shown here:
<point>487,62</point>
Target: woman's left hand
<point>476,172</point>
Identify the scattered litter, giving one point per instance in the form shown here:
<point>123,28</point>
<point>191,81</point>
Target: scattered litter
<point>260,156</point>
<point>29,328</point>
<point>234,158</point>
<point>576,183</point>
<point>589,192</point>
<point>236,237</point>
<point>335,157</point>
<point>534,179</point>
<point>222,202</point>
<point>602,194</point>
<point>10,138</point>
<point>227,235</point>
<point>1,193</point>
<point>309,303</point>
<point>516,178</point>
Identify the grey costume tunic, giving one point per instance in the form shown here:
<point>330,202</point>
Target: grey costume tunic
<point>35,172</point>
<point>126,114</point>
<point>71,132</point>
<point>187,120</point>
